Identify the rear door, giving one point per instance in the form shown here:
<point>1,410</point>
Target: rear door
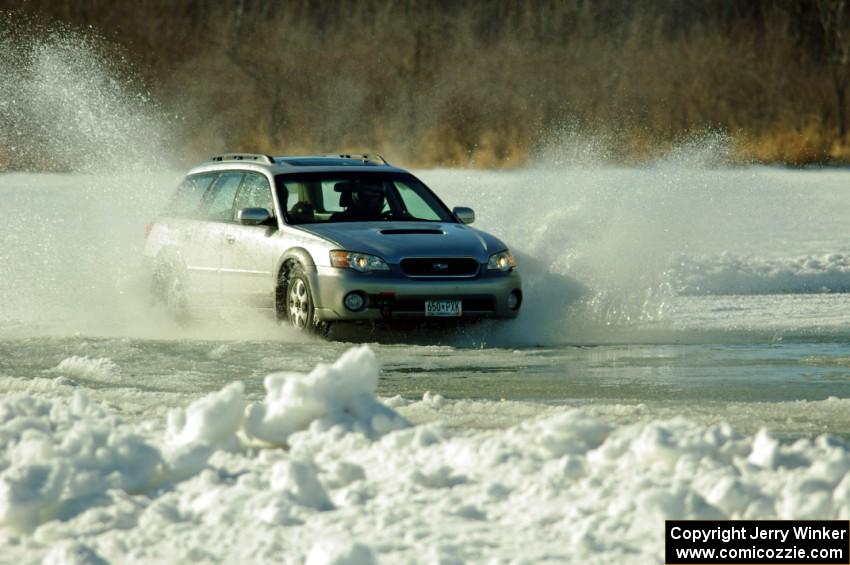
<point>175,232</point>
<point>203,244</point>
<point>250,253</point>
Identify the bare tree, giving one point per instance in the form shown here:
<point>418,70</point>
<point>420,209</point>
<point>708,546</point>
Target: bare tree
<point>835,20</point>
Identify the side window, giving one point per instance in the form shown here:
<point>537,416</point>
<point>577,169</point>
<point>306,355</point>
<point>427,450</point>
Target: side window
<point>223,193</point>
<point>187,199</point>
<point>255,193</point>
<point>415,205</point>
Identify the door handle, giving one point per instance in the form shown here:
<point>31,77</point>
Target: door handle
<point>230,239</point>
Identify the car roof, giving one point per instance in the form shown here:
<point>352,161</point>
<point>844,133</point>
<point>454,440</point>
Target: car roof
<point>297,163</point>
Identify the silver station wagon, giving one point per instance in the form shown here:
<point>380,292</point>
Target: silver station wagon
<point>324,239</point>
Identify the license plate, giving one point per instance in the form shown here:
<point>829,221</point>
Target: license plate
<point>442,308</point>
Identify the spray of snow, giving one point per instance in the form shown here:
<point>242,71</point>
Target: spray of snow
<point>72,101</point>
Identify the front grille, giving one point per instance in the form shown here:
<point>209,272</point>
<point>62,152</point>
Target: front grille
<point>440,267</point>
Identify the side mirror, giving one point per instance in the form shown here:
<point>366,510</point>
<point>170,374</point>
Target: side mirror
<point>464,214</point>
<point>253,216</point>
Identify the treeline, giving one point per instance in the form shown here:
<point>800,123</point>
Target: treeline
<point>484,83</point>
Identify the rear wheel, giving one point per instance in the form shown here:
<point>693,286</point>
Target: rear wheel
<point>170,291</point>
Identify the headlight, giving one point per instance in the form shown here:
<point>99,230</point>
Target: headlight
<point>358,261</point>
<point>503,261</point>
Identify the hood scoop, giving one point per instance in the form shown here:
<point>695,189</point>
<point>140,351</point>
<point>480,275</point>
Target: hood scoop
<point>413,232</point>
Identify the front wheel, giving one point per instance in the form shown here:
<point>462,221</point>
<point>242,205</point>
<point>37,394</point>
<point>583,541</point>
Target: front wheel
<point>300,309</point>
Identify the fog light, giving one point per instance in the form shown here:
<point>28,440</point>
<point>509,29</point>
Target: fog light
<point>514,300</point>
<point>354,301</point>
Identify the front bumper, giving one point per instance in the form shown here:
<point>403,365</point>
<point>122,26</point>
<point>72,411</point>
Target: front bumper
<point>393,295</point>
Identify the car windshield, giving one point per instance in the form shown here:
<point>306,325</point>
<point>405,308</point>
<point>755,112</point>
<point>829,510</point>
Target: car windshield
<point>358,197</point>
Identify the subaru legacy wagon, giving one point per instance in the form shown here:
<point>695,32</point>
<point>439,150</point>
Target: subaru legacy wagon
<point>324,239</point>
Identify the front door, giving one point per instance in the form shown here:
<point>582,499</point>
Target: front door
<point>203,242</point>
<point>250,253</point>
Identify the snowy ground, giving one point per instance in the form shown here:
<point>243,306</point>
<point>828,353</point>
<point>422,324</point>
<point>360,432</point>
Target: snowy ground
<point>672,313</point>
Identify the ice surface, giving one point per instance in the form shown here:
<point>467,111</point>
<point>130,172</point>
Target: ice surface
<point>80,484</point>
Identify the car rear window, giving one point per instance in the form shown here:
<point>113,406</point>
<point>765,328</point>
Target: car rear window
<point>187,200</point>
<point>221,198</point>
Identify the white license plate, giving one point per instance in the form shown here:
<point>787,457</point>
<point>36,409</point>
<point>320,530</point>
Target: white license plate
<point>442,308</point>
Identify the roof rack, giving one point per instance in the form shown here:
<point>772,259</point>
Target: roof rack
<point>365,157</point>
<point>243,157</point>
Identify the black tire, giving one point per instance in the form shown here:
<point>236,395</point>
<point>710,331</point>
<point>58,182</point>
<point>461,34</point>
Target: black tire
<point>299,307</point>
<point>170,291</point>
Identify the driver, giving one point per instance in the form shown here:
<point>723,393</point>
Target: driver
<point>366,204</point>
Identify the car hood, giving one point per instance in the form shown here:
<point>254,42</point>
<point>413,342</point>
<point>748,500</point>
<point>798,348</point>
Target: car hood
<point>395,240</point>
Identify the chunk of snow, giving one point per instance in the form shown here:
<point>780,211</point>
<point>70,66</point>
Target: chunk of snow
<point>213,420</point>
<point>73,553</point>
<point>342,394</point>
<point>337,552</point>
<point>99,369</point>
<point>765,451</point>
<point>300,480</point>
<point>433,400</point>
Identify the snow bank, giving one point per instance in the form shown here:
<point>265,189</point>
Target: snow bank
<point>732,274</point>
<point>60,458</point>
<point>353,484</point>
